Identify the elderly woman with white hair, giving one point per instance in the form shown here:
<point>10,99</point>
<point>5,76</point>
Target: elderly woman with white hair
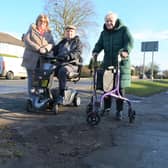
<point>114,39</point>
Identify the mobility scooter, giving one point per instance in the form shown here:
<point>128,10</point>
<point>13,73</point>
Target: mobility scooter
<point>44,95</point>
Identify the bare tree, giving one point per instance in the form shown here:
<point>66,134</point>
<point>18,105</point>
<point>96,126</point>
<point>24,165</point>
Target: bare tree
<point>79,13</point>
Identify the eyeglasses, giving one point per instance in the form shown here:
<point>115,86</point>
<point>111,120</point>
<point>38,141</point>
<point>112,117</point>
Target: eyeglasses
<point>43,21</point>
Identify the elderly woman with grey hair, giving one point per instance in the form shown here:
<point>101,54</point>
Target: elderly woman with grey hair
<point>114,39</point>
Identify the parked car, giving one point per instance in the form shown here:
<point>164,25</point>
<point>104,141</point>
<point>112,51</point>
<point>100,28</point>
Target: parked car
<point>10,67</point>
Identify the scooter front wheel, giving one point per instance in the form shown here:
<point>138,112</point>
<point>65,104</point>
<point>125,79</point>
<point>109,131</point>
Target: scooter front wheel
<point>55,108</point>
<point>93,118</point>
<point>29,106</point>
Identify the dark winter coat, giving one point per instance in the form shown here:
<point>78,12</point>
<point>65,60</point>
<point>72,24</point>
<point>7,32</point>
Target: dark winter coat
<point>112,42</point>
<point>69,49</point>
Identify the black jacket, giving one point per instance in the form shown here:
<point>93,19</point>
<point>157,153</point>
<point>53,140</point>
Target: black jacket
<point>68,50</point>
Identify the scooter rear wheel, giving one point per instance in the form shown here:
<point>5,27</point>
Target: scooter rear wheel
<point>77,101</point>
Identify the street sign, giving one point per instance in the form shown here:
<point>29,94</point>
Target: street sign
<point>149,46</point>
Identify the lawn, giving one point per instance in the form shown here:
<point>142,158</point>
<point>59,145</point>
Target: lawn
<point>147,87</point>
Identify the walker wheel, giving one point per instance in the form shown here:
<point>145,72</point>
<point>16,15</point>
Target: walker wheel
<point>131,115</point>
<point>93,118</point>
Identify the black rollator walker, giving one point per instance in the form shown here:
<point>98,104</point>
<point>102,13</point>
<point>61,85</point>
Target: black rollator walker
<point>95,106</point>
<point>44,96</point>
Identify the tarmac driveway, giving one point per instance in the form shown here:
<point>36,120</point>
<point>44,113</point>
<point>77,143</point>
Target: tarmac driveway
<point>45,140</point>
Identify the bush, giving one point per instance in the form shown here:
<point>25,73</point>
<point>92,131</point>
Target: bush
<point>85,71</point>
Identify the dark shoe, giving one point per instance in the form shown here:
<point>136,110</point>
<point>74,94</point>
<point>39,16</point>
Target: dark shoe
<point>119,115</point>
<point>105,111</point>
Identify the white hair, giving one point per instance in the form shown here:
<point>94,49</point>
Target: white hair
<point>111,15</point>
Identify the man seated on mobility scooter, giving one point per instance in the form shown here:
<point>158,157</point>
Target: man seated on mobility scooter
<point>68,62</point>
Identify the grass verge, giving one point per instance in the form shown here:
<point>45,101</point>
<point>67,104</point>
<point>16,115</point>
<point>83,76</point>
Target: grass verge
<point>147,87</point>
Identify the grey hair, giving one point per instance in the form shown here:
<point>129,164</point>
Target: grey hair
<point>112,14</point>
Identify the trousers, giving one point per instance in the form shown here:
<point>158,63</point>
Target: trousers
<point>119,102</point>
<point>62,74</point>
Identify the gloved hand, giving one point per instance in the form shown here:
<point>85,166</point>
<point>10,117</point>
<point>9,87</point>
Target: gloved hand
<point>67,57</point>
<point>94,54</point>
<point>43,50</point>
<point>63,58</point>
<point>60,58</point>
